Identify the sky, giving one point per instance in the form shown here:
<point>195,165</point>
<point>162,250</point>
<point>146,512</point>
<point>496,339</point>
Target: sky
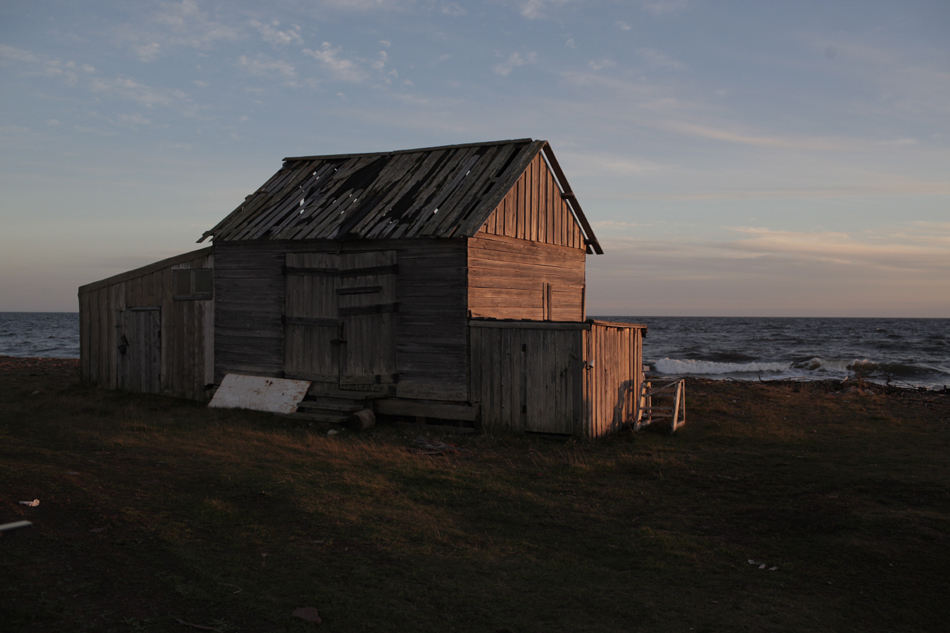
<point>733,158</point>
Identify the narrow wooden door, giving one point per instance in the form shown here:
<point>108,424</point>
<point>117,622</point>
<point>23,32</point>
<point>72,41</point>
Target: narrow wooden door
<point>140,350</point>
<point>311,325</point>
<point>367,311</point>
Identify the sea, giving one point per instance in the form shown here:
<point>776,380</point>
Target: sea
<point>900,352</point>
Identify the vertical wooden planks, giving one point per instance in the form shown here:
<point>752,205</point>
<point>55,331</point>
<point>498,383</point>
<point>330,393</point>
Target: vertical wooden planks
<point>533,210</point>
<point>83,337</point>
<point>527,379</point>
<point>208,344</point>
<point>311,350</point>
<point>102,308</point>
<point>175,341</point>
<point>369,351</point>
<point>613,384</point>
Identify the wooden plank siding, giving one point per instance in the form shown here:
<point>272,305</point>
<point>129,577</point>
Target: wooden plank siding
<point>185,329</point>
<point>511,278</point>
<point>565,378</point>
<point>431,349</point>
<point>527,379</point>
<point>534,210</point>
<point>614,372</point>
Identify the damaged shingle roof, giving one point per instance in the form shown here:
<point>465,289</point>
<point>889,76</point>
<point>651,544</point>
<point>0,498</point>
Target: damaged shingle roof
<point>445,191</point>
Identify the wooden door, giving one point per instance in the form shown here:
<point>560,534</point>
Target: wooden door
<point>367,311</point>
<point>140,350</point>
<point>549,372</point>
<point>339,318</point>
<point>311,324</point>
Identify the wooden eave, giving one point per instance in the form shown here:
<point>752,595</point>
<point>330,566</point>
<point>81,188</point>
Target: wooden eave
<point>439,192</point>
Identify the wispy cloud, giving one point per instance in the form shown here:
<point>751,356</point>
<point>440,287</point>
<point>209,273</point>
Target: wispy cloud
<point>276,37</point>
<point>14,130</point>
<point>132,121</point>
<point>900,271</point>
<point>656,58</point>
<point>535,9</point>
<point>599,164</point>
<point>340,67</point>
<point>32,64</point>
<point>453,9</point>
<point>263,66</point>
<point>909,81</point>
<point>86,77</point>
<point>10,53</point>
<point>141,93</point>
<point>515,60</point>
<point>360,6</point>
<point>601,64</point>
<point>193,27</point>
<point>613,224</point>
<point>907,248</point>
<point>663,7</point>
<point>814,144</point>
<point>175,25</point>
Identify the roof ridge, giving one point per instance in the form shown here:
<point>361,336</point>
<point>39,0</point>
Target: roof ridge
<point>410,151</point>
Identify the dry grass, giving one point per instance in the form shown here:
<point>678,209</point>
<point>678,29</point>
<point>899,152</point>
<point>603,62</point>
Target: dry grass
<point>154,510</point>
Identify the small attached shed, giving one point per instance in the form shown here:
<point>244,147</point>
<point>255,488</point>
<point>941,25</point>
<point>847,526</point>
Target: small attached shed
<point>151,330</point>
<point>444,282</point>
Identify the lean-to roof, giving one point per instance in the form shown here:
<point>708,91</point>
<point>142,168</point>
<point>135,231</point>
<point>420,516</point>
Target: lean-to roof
<point>447,191</point>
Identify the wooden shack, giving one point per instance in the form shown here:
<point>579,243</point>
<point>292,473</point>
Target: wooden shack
<point>151,330</point>
<point>443,283</point>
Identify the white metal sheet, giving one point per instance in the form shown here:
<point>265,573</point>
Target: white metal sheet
<point>276,395</point>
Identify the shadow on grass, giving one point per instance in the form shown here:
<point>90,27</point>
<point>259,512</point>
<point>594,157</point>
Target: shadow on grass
<point>154,510</point>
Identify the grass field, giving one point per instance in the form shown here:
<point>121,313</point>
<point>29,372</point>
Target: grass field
<point>156,511</point>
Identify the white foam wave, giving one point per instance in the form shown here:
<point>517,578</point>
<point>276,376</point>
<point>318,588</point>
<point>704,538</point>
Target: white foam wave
<point>671,366</point>
<point>839,365</point>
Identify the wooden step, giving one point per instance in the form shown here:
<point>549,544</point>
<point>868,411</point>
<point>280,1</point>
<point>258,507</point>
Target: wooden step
<point>330,404</point>
<point>328,418</point>
<point>332,418</point>
<point>321,389</point>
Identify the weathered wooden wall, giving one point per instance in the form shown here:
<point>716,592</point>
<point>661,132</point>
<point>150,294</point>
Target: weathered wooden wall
<point>511,278</point>
<point>249,301</point>
<point>431,334</point>
<point>186,330</point>
<point>533,210</point>
<point>528,376</point>
<point>568,378</point>
<point>615,370</point>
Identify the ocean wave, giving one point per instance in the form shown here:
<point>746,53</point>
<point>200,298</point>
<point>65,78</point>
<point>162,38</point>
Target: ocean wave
<point>837,365</point>
<point>866,367</point>
<point>672,366</point>
<point>813,369</point>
